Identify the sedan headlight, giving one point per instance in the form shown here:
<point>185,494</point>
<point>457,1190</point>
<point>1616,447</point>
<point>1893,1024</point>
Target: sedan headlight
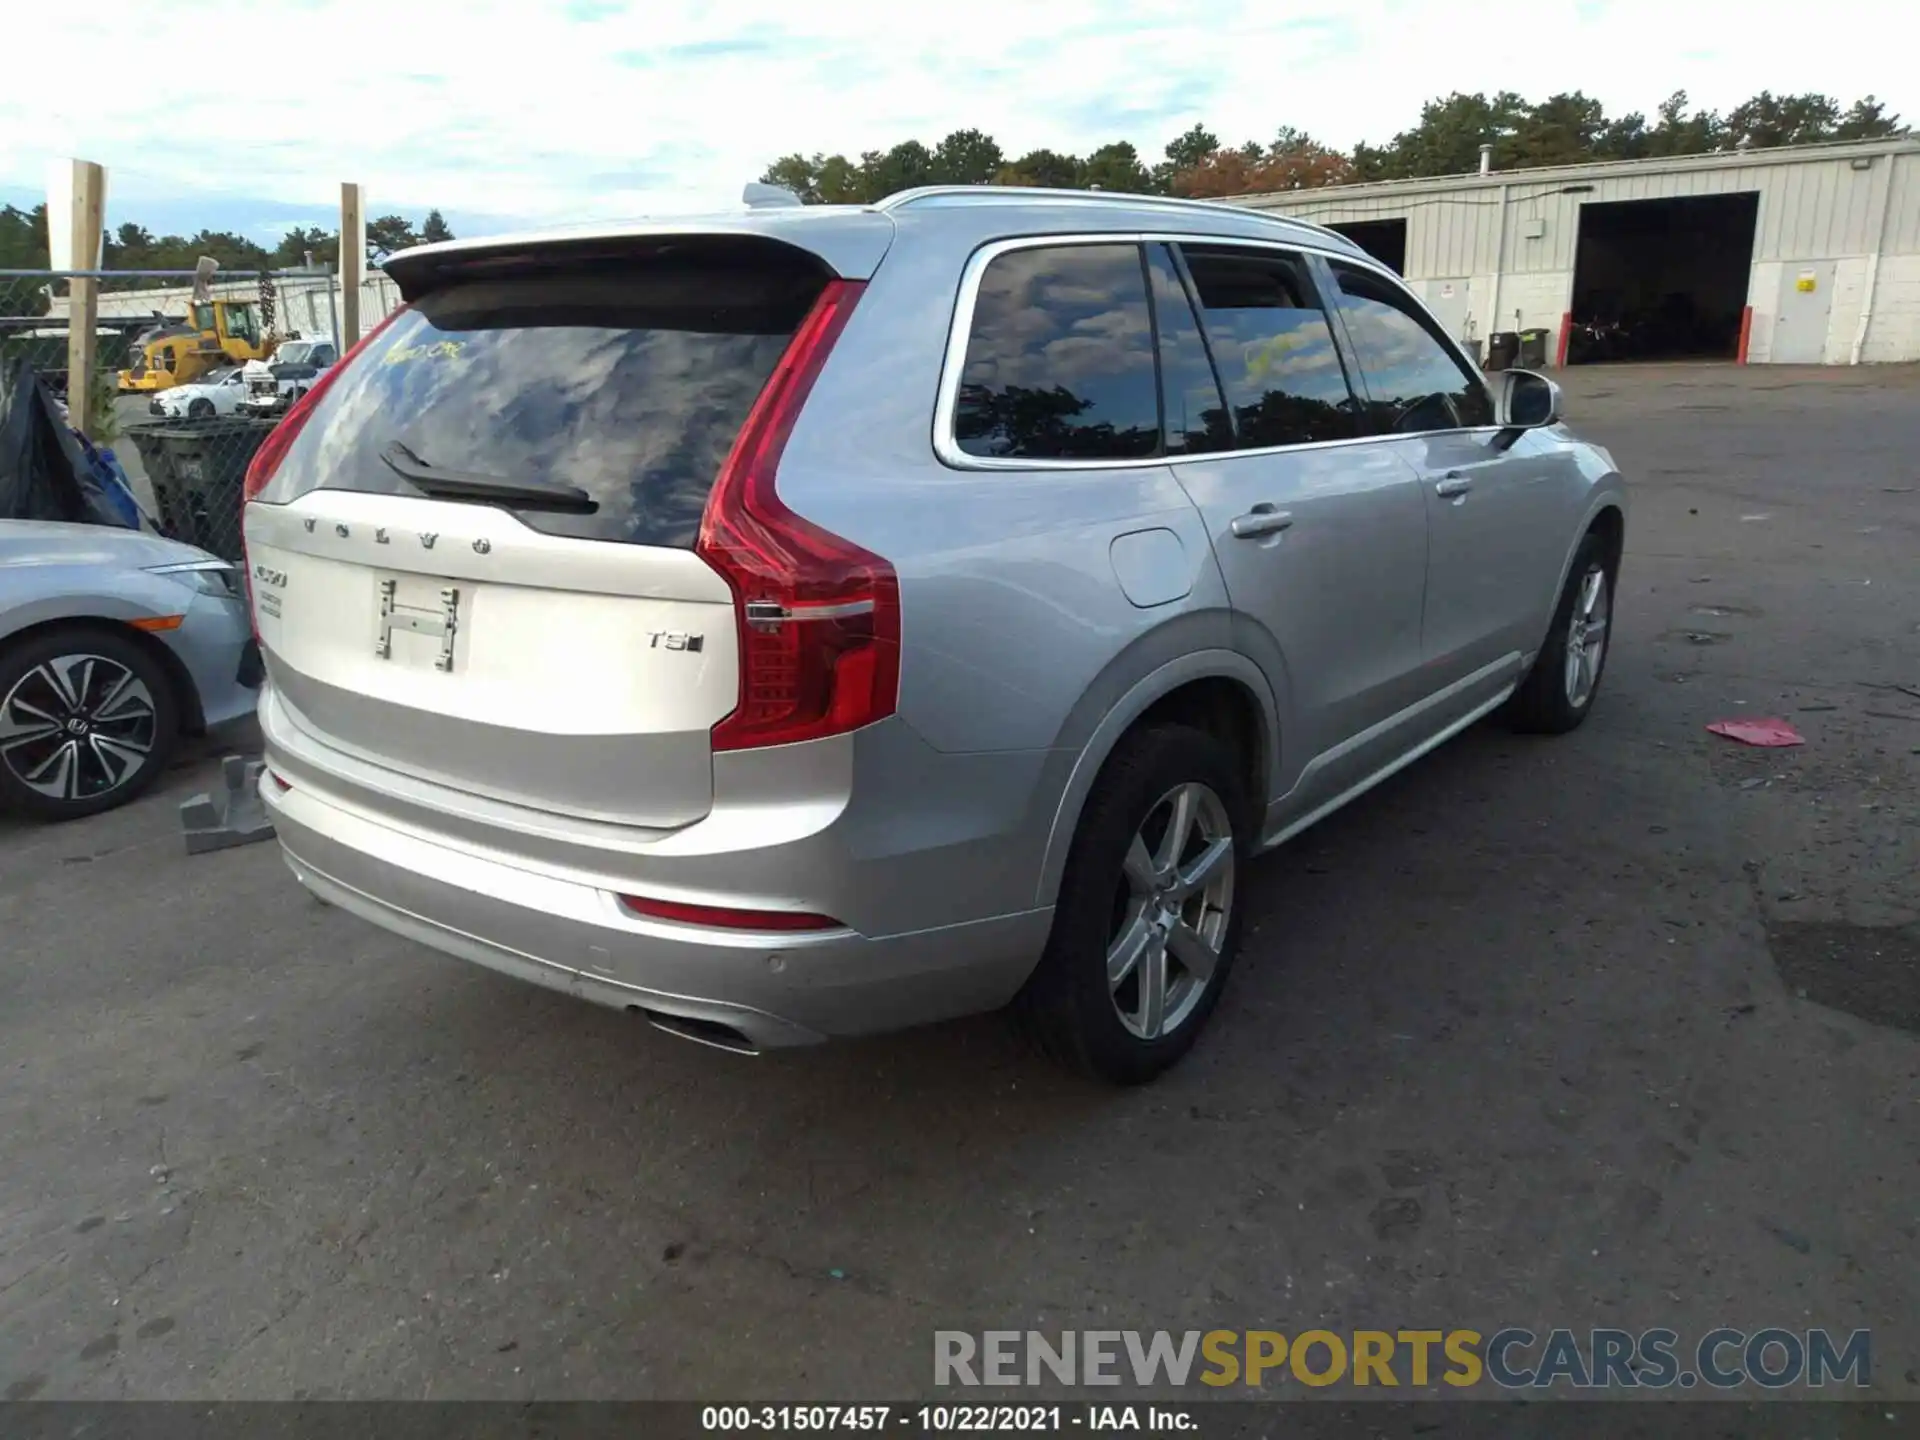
<point>209,577</point>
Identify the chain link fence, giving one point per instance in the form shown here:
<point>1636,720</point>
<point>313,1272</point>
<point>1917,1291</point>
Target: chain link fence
<point>186,387</point>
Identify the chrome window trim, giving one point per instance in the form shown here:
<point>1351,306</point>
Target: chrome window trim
<point>946,445</point>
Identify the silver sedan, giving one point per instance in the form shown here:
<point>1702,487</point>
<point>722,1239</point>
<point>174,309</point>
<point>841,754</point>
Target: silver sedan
<point>113,643</point>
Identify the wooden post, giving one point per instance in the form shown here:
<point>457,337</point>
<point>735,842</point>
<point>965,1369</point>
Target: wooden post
<point>83,302</point>
<point>353,263</point>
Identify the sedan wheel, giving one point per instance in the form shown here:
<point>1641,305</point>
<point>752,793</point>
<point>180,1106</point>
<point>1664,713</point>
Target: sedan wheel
<point>86,722</point>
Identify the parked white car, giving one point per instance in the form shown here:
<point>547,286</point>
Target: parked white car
<point>218,392</point>
<point>273,385</point>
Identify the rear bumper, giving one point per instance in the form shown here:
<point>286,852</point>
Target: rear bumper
<point>772,990</point>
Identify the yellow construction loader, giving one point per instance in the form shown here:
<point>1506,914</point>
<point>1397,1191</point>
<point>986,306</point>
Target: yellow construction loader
<point>178,352</point>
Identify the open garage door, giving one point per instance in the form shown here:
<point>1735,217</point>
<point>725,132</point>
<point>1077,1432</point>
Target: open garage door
<point>1662,279</point>
<point>1384,240</point>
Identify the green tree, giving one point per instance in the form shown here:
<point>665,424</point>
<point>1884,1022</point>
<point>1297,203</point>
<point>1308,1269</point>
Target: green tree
<point>1448,138</point>
<point>298,243</point>
<point>966,157</point>
<point>133,239</point>
<point>798,174</point>
<point>389,235</point>
<point>902,168</point>
<point>1624,138</point>
<point>1768,119</point>
<point>1183,152</point>
<point>1116,167</point>
<point>839,181</point>
<point>234,252</point>
<point>1191,147</point>
<point>23,238</point>
<point>434,228</point>
<point>1560,130</point>
<point>1047,169</point>
<point>1678,132</point>
<point>23,246</point>
<point>1868,120</point>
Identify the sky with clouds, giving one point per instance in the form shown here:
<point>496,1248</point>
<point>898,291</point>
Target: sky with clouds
<point>503,112</point>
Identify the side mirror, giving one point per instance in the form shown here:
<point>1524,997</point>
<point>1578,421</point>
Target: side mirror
<point>1527,400</point>
<point>1523,400</point>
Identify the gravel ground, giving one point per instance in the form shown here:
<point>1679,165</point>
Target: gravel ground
<point>1613,1029</point>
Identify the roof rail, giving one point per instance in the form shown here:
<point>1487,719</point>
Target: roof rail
<point>905,199</point>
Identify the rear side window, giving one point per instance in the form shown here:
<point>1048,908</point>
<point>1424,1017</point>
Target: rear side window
<point>1060,358</point>
<point>629,381</point>
<point>1273,346</point>
<point>1413,380</point>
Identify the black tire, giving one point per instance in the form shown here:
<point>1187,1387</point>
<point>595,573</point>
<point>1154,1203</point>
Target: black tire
<point>1068,1006</point>
<point>1546,702</point>
<point>199,409</point>
<point>128,718</point>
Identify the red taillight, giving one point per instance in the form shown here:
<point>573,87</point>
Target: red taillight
<point>279,440</point>
<point>819,617</point>
<point>720,917</point>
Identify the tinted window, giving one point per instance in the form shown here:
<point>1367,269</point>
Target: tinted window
<point>631,383</point>
<point>1273,345</point>
<point>1060,358</point>
<point>1197,420</point>
<point>1414,381</point>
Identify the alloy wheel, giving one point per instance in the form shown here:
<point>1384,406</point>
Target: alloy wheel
<point>77,726</point>
<point>1171,910</point>
<point>1587,636</point>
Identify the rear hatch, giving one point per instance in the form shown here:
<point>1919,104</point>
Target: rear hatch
<point>475,564</point>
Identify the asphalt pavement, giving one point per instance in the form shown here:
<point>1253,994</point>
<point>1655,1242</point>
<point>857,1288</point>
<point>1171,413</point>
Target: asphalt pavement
<point>1621,1028</point>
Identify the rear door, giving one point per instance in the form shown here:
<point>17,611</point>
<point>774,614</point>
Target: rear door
<point>569,655</point>
<point>1321,537</point>
<point>1498,518</point>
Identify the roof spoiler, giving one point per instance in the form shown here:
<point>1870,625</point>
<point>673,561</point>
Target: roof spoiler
<point>849,244</point>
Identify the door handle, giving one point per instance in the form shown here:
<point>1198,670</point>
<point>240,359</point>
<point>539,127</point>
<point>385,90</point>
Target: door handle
<point>1452,485</point>
<point>1263,519</point>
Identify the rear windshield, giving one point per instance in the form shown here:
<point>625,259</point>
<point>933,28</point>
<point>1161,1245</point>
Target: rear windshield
<point>629,382</point>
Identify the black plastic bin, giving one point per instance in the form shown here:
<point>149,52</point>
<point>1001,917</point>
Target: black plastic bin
<point>1502,348</point>
<point>197,469</point>
<point>1533,349</point>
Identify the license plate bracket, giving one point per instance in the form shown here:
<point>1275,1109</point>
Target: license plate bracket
<point>441,619</point>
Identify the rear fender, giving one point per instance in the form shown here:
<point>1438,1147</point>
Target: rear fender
<point>1120,717</point>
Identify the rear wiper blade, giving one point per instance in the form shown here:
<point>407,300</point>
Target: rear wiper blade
<point>472,485</point>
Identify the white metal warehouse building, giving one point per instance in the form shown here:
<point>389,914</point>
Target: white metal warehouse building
<point>1800,255</point>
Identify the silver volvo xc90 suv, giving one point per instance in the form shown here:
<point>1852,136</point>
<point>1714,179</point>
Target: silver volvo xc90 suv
<point>813,621</point>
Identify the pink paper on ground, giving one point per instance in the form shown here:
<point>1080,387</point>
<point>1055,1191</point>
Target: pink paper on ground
<point>1758,732</point>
